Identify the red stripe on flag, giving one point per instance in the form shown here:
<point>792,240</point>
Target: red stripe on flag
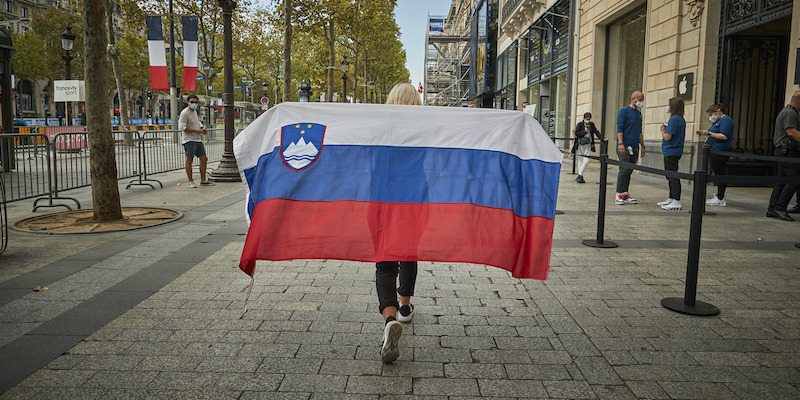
<point>158,78</point>
<point>366,231</point>
<point>189,78</point>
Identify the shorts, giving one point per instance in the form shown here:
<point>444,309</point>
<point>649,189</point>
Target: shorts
<point>193,149</point>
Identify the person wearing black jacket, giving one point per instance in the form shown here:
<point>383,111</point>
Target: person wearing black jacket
<point>583,145</point>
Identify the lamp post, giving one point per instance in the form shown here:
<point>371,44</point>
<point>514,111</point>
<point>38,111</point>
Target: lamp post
<point>371,91</point>
<point>67,40</point>
<point>227,170</point>
<point>344,77</point>
<point>305,92</point>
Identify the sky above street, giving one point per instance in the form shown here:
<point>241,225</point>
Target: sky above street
<point>411,16</point>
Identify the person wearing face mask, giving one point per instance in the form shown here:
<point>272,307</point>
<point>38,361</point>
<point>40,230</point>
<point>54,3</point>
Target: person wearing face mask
<point>629,143</point>
<point>583,145</point>
<point>720,137</point>
<point>673,134</point>
<point>192,139</point>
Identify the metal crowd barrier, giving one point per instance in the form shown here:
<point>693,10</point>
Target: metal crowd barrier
<point>46,164</point>
<point>3,217</point>
<point>689,303</point>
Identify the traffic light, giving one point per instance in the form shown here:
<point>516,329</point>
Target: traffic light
<point>149,95</point>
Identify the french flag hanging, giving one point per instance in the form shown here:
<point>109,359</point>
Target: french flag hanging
<point>158,56</point>
<point>189,52</point>
<point>369,182</point>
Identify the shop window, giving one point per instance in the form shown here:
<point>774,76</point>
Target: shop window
<point>25,96</point>
<point>625,63</point>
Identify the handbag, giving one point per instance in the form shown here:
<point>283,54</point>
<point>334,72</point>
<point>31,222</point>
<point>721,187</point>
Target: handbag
<point>585,139</point>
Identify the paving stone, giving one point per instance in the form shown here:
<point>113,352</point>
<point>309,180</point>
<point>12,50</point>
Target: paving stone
<point>597,371</point>
<point>446,387</point>
<point>697,390</point>
<point>379,385</point>
<point>647,390</point>
<point>511,388</point>
<point>462,342</point>
<point>313,383</point>
<point>184,380</point>
<point>569,389</point>
<point>748,390</point>
<point>659,373</point>
<point>724,359</point>
<point>613,392</point>
<point>57,378</point>
<point>122,379</point>
<point>442,355</point>
<point>169,363</point>
<point>412,369</point>
<point>539,372</point>
<point>771,375</point>
<point>475,370</point>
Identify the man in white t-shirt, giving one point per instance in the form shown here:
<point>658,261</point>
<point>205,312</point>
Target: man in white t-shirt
<point>189,124</point>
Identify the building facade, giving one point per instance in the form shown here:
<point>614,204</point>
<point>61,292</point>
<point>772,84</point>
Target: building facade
<point>568,57</point>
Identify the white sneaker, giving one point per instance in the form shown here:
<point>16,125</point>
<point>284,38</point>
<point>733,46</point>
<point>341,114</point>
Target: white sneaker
<point>628,199</point>
<point>192,185</point>
<point>405,313</point>
<point>620,199</point>
<point>391,335</point>
<point>716,201</point>
<point>665,202</point>
<point>675,205</point>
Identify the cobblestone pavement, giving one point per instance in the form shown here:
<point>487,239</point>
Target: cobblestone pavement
<point>159,312</point>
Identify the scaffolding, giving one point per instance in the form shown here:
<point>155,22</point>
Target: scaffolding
<point>447,58</point>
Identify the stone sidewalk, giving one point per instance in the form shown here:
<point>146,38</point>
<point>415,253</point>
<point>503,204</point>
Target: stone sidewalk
<point>158,312</point>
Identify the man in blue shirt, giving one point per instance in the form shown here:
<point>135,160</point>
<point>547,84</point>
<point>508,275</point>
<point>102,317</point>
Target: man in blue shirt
<point>629,142</point>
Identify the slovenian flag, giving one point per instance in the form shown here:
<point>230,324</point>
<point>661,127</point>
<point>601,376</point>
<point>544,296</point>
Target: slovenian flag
<point>158,55</point>
<point>369,182</point>
<point>189,52</point>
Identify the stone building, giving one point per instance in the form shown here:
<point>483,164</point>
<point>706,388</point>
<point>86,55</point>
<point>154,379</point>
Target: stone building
<point>567,57</point>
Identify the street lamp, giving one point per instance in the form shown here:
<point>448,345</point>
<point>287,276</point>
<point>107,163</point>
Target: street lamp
<point>305,92</point>
<point>371,91</point>
<point>344,77</point>
<point>67,40</point>
<point>227,170</point>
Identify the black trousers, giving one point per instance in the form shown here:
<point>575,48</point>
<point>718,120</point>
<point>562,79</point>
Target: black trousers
<point>671,164</point>
<point>782,192</point>
<point>386,273</point>
<point>719,166</point>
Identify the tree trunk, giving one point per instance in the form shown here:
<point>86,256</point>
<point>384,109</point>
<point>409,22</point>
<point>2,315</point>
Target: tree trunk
<point>287,49</point>
<point>330,39</point>
<point>102,162</point>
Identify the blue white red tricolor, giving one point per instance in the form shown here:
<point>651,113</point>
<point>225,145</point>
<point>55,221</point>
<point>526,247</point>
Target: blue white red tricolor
<point>189,53</point>
<point>369,182</point>
<point>157,51</point>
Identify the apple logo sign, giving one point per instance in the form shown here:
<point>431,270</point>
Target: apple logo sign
<point>685,83</point>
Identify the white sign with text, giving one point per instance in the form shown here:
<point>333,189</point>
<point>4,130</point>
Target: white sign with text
<point>73,90</point>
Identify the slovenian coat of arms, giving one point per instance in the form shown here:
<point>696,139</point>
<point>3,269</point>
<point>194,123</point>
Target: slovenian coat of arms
<point>301,144</point>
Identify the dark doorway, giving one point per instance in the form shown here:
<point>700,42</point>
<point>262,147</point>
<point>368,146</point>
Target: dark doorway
<point>751,75</point>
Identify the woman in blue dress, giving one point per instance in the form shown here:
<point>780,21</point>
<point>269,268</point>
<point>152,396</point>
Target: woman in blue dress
<point>720,136</point>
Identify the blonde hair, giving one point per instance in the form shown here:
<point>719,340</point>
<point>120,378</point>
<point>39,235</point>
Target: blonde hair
<point>404,93</point>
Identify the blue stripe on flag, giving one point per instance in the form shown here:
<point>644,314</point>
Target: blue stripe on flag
<point>411,175</point>
<point>189,29</point>
<point>154,28</point>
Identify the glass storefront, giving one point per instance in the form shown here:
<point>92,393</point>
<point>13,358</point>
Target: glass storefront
<point>625,64</point>
<point>506,78</point>
<point>546,68</point>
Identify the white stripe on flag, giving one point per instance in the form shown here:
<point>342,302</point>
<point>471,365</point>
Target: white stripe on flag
<point>190,54</point>
<point>157,52</point>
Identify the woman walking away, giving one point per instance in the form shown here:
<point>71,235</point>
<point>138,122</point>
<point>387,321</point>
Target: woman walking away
<point>585,132</point>
<point>387,272</point>
<point>720,137</point>
<point>673,134</point>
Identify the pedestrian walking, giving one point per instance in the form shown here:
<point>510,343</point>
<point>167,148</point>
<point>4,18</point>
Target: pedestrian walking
<point>720,137</point>
<point>787,144</point>
<point>673,135</point>
<point>630,142</point>
<point>192,138</point>
<point>583,145</point>
<point>387,272</point>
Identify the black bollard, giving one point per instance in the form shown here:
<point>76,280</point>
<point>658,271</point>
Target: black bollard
<point>689,303</point>
<point>601,207</point>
